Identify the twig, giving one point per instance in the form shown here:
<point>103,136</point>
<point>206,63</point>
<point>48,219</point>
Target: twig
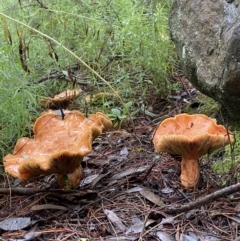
<point>50,76</point>
<point>178,190</point>
<point>148,171</point>
<point>32,191</point>
<point>56,75</point>
<point>42,4</point>
<point>204,200</point>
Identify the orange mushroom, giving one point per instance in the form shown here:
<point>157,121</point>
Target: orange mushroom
<point>61,100</point>
<point>190,136</point>
<point>58,146</point>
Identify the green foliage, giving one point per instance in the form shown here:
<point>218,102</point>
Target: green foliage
<point>118,115</point>
<point>18,102</point>
<point>124,41</point>
<point>230,162</point>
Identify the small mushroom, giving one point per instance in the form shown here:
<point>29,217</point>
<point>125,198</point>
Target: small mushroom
<point>61,100</point>
<point>58,146</point>
<point>190,136</point>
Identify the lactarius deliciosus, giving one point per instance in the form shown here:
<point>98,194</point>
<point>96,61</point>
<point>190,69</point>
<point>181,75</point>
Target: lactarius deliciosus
<point>190,136</point>
<point>60,142</point>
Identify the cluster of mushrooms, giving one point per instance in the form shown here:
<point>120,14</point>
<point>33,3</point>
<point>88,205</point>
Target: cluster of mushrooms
<point>62,139</point>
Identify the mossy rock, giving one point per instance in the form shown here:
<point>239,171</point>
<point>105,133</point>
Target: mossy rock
<point>202,104</point>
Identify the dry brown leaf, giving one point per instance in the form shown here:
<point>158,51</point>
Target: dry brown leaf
<point>152,197</point>
<point>97,97</point>
<point>48,206</point>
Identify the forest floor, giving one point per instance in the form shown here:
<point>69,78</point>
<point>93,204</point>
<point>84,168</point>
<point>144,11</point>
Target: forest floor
<point>129,192</point>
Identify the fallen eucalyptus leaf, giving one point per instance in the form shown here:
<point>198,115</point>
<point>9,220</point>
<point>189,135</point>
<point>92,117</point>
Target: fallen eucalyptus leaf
<point>97,179</point>
<point>168,220</point>
<point>130,171</point>
<point>137,226</point>
<point>134,189</point>
<point>163,236</point>
<point>88,180</point>
<point>209,238</point>
<point>124,151</point>
<point>167,190</point>
<point>184,237</point>
<point>152,197</point>
<point>149,222</point>
<point>115,219</point>
<point>98,163</point>
<point>120,238</point>
<point>31,234</point>
<point>13,224</point>
<point>203,237</point>
<point>47,206</point>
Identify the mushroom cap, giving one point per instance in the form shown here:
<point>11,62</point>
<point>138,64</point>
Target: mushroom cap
<point>61,100</point>
<point>190,136</point>
<point>58,146</point>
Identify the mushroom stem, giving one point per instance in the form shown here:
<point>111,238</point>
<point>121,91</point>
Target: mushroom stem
<point>70,180</point>
<point>190,173</point>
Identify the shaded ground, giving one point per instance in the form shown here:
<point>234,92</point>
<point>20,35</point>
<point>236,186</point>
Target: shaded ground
<point>125,194</point>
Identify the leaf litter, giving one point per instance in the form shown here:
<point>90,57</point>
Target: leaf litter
<point>126,193</point>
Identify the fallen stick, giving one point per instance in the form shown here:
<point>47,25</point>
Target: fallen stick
<point>204,200</point>
<point>59,193</point>
<point>31,191</point>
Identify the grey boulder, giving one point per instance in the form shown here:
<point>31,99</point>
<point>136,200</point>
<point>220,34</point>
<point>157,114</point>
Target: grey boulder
<point>207,39</point>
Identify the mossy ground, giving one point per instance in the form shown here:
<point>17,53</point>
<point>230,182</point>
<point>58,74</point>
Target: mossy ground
<point>202,104</point>
<point>230,157</point>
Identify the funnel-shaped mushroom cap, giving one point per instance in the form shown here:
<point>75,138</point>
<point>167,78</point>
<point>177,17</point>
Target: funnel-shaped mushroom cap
<point>61,100</point>
<point>190,136</point>
<point>58,146</point>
